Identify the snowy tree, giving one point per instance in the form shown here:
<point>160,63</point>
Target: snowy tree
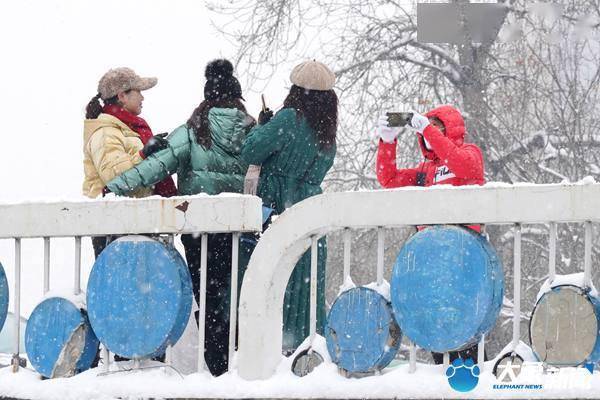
<point>530,99</point>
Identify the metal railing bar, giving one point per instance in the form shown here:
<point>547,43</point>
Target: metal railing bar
<point>313,286</point>
<point>587,257</point>
<point>46,264</point>
<point>380,254</point>
<point>517,288</point>
<point>481,353</point>
<point>77,275</point>
<point>552,253</point>
<point>412,358</point>
<point>235,241</point>
<point>202,301</point>
<point>17,310</point>
<point>347,254</point>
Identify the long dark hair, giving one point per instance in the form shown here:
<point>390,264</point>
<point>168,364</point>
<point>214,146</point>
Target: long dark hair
<point>198,121</point>
<point>320,108</point>
<point>94,108</point>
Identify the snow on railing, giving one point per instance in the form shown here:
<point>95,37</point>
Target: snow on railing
<point>199,214</point>
<point>281,246</point>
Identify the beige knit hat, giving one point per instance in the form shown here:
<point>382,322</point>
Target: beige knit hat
<point>312,75</point>
<point>120,80</point>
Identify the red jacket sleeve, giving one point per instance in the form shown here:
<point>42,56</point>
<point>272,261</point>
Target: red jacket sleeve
<point>465,161</point>
<point>387,174</point>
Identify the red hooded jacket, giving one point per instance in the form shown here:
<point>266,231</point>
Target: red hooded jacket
<point>450,161</point>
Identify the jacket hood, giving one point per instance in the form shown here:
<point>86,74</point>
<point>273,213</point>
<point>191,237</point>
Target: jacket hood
<point>228,128</point>
<point>454,124</point>
<point>103,121</point>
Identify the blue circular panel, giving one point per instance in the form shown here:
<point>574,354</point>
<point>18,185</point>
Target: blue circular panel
<point>53,323</point>
<point>3,296</point>
<point>565,325</point>
<point>186,307</point>
<point>361,333</point>
<point>139,297</point>
<point>446,288</point>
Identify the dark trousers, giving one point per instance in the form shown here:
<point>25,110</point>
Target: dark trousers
<point>99,243</point>
<point>469,352</point>
<point>218,282</point>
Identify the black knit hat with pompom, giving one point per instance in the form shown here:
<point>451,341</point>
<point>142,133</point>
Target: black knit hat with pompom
<point>220,82</point>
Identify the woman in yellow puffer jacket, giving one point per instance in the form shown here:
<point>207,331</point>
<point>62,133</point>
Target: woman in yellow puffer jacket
<point>116,138</point>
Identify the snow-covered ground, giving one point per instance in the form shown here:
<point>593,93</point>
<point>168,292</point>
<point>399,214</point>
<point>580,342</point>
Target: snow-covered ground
<point>325,382</point>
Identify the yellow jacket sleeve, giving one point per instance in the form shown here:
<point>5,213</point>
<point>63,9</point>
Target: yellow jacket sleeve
<point>112,153</point>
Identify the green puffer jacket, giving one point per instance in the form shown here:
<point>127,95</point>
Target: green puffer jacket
<point>293,168</point>
<point>213,170</point>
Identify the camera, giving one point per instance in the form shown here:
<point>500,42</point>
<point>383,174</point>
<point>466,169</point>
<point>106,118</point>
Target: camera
<point>396,119</point>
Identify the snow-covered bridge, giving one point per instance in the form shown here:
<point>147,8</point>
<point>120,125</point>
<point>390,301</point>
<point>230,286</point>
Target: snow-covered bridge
<point>258,369</point>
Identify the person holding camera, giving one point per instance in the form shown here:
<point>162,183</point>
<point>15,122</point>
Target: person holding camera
<point>441,137</point>
<point>448,161</point>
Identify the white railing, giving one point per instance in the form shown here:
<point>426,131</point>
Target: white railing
<point>292,233</point>
<point>281,246</point>
<point>191,214</point>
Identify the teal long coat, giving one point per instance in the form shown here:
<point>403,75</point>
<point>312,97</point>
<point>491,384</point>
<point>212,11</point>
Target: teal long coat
<point>213,170</point>
<point>293,167</point>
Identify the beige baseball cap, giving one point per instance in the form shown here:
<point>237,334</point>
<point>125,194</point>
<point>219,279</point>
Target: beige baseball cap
<point>122,79</point>
<point>313,75</point>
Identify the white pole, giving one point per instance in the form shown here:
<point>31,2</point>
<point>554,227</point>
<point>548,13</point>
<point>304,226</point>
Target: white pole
<point>235,241</point>
<point>481,353</point>
<point>552,254</point>
<point>77,278</point>
<point>380,253</point>
<point>517,288</point>
<point>313,286</point>
<point>412,358</point>
<point>587,264</point>
<point>17,315</point>
<point>106,358</point>
<point>347,250</point>
<point>446,361</point>
<point>46,264</point>
<point>202,305</point>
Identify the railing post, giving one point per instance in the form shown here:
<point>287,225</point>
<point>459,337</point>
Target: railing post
<point>380,254</point>
<point>587,257</point>
<point>314,253</point>
<point>412,358</point>
<point>202,301</point>
<point>481,353</point>
<point>517,288</point>
<point>347,254</point>
<point>17,315</point>
<point>235,241</point>
<point>77,275</point>
<point>552,253</point>
<point>46,264</point>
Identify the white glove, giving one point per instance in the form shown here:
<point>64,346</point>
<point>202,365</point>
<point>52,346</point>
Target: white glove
<point>251,179</point>
<point>419,122</point>
<point>385,132</point>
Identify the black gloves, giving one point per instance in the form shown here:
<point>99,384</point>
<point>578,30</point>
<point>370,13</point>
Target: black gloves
<point>157,143</point>
<point>265,116</point>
